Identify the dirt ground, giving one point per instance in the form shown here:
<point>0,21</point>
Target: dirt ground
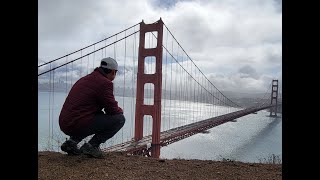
<point>55,165</point>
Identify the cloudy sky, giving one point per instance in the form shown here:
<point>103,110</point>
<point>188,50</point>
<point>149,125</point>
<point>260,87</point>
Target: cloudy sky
<point>237,44</point>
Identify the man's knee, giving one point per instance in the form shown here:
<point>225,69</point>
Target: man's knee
<point>121,119</point>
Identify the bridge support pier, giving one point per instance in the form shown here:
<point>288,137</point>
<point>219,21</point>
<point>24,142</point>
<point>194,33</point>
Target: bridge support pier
<point>156,79</point>
<point>155,150</point>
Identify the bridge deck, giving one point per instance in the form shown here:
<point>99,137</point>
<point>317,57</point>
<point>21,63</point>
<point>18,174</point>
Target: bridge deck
<point>176,134</point>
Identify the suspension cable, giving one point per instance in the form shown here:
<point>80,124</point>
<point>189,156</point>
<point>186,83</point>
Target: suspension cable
<point>86,46</point>
<point>87,54</point>
<point>198,67</point>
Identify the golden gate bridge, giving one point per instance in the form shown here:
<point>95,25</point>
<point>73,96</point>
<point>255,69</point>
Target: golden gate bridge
<point>169,90</point>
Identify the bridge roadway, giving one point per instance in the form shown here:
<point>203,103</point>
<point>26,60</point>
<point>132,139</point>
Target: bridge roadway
<point>143,146</point>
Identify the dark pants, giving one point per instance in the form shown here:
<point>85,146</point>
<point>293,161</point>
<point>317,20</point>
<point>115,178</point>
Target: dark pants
<point>103,127</point>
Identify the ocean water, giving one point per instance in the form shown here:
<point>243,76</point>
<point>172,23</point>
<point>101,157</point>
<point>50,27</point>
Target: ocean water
<point>251,138</point>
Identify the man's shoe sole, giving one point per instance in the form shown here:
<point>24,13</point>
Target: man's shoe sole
<point>69,150</point>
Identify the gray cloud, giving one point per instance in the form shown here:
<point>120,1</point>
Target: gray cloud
<point>248,72</point>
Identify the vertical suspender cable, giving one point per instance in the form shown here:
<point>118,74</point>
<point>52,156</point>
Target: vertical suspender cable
<point>49,108</point>
<point>94,56</point>
<point>81,63</point>
<point>53,107</point>
<point>88,64</point>
<point>170,85</point>
<point>124,73</point>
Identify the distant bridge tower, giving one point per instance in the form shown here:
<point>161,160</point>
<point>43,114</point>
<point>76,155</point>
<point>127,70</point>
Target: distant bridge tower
<point>156,79</point>
<point>274,97</point>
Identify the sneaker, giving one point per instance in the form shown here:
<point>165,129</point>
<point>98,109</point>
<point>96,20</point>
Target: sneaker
<point>89,150</point>
<point>70,147</point>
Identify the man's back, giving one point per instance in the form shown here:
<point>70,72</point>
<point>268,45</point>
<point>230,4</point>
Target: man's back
<point>83,101</point>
